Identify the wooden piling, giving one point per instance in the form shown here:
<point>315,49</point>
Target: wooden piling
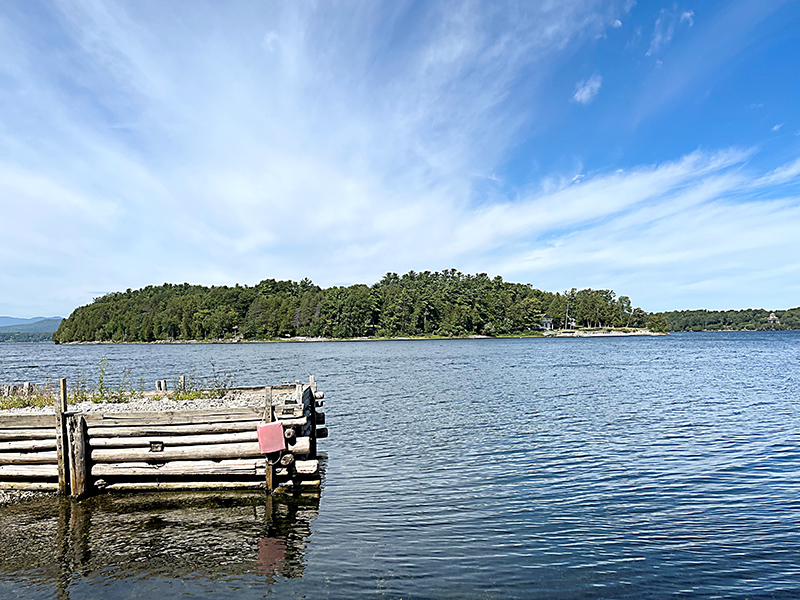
<point>78,454</point>
<point>61,437</point>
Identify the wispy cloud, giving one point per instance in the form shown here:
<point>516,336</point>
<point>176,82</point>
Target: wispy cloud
<point>587,89</point>
<point>664,28</point>
<point>151,143</point>
<point>777,127</point>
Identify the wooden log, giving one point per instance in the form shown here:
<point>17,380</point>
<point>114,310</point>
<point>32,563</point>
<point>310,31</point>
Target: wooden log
<point>322,432</point>
<point>78,455</point>
<point>28,458</point>
<point>173,440</point>
<point>29,486</point>
<point>320,418</point>
<point>306,467</point>
<point>308,483</point>
<point>34,470</point>
<point>28,445</point>
<point>287,459</point>
<point>23,421</point>
<point>138,486</point>
<point>167,430</point>
<point>61,437</point>
<point>294,422</point>
<point>301,445</point>
<point>42,433</point>
<point>199,452</point>
<point>254,467</point>
<point>319,395</point>
<point>185,417</point>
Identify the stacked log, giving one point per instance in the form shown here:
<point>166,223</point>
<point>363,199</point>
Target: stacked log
<point>190,449</point>
<point>28,455</point>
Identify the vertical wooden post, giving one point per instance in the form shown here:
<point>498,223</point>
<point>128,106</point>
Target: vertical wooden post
<point>182,382</point>
<point>78,454</point>
<point>269,416</point>
<point>61,439</point>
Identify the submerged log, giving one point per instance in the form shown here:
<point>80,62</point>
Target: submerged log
<point>255,467</point>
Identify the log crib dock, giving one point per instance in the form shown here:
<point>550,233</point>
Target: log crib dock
<point>81,453</point>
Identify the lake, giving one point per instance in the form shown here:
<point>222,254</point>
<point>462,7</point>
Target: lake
<point>640,467</point>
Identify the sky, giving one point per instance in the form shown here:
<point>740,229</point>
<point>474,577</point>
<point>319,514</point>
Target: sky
<point>652,148</point>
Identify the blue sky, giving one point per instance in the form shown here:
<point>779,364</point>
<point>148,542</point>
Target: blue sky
<point>652,148</point>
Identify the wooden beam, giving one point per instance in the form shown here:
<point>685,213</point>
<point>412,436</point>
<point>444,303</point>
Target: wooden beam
<point>254,467</point>
<point>41,433</point>
<point>148,430</point>
<point>171,440</point>
<point>29,486</point>
<point>206,451</point>
<point>21,421</point>
<point>135,486</point>
<point>35,470</point>
<point>185,417</point>
<point>28,445</point>
<point>28,458</point>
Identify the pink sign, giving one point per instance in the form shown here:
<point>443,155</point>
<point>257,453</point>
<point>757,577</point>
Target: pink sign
<point>270,437</point>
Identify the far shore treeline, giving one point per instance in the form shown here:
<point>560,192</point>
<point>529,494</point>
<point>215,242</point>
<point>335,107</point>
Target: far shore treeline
<point>446,303</point>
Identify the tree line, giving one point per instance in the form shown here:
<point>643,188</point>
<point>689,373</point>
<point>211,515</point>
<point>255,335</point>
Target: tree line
<point>446,303</point>
<point>722,320</point>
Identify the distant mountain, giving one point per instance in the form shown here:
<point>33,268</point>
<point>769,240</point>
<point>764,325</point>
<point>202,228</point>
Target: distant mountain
<point>43,325</point>
<point>6,321</point>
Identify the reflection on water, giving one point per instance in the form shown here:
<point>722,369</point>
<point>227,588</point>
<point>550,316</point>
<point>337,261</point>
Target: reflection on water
<point>51,542</point>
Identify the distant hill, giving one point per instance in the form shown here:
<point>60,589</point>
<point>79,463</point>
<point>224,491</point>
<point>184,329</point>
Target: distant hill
<point>6,321</point>
<point>26,337</point>
<point>36,325</point>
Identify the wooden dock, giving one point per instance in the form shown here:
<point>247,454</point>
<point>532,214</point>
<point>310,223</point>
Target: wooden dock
<point>78,454</point>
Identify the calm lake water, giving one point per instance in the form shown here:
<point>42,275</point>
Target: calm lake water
<point>663,467</point>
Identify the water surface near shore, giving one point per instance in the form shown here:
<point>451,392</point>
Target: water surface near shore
<point>556,468</point>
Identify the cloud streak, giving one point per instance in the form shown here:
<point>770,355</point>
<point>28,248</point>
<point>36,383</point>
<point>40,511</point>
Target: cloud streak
<point>180,143</point>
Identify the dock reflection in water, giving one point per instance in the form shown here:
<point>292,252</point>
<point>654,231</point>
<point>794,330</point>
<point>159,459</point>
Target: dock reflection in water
<point>50,544</point>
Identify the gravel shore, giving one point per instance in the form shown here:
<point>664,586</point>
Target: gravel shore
<point>233,399</point>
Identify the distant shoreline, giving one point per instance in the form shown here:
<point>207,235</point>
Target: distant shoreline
<point>308,339</point>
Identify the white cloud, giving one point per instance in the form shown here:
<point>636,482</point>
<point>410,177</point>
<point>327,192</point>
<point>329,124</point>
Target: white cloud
<point>688,17</point>
<point>216,147</point>
<point>587,89</point>
<point>777,127</point>
<point>616,23</point>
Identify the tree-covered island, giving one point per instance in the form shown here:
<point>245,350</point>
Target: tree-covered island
<point>444,304</point>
